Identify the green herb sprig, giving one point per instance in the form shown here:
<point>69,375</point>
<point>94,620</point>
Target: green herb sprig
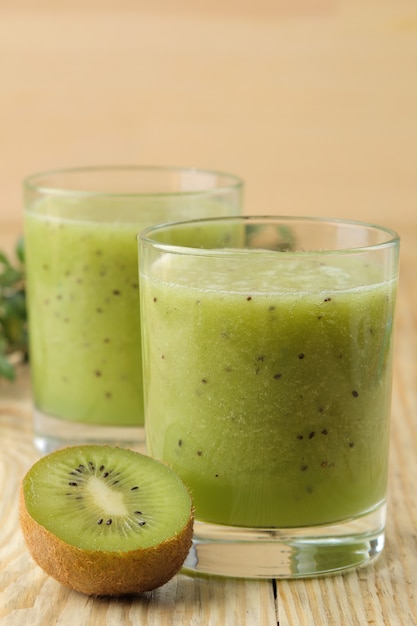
<point>13,312</point>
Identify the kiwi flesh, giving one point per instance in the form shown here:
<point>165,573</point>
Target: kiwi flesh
<point>104,520</point>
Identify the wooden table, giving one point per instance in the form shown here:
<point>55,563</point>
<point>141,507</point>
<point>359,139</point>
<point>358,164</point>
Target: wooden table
<point>382,594</point>
<point>314,103</point>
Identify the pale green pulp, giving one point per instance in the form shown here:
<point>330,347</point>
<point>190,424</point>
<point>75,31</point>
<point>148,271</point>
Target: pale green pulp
<point>60,494</point>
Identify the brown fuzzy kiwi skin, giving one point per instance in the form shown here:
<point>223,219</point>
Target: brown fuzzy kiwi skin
<point>105,573</point>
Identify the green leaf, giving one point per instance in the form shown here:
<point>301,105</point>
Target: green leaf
<point>4,259</point>
<point>13,312</point>
<point>20,250</point>
<point>10,276</point>
<point>14,331</point>
<point>6,368</point>
<point>15,305</point>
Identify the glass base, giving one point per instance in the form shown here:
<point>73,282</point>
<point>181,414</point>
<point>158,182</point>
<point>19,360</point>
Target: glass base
<point>51,433</point>
<point>286,552</point>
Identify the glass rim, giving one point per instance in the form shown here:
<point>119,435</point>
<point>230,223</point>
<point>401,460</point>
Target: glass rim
<point>145,236</point>
<point>30,183</point>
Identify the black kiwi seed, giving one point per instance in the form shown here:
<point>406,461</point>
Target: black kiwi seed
<point>82,473</point>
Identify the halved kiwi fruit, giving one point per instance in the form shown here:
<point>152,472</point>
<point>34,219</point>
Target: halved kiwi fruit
<point>105,520</point>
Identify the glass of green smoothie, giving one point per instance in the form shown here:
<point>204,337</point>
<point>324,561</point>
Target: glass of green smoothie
<point>267,348</point>
<point>81,229</point>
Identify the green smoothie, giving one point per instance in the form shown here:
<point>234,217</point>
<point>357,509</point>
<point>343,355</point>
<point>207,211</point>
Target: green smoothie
<point>83,300</point>
<point>84,310</point>
<point>268,386</point>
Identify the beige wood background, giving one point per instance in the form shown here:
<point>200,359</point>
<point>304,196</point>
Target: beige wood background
<point>313,102</point>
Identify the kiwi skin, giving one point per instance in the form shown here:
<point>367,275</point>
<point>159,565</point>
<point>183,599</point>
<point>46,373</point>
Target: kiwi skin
<point>100,572</point>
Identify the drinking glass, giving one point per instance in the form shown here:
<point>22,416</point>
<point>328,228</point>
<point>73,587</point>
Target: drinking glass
<point>80,238</point>
<point>267,351</point>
